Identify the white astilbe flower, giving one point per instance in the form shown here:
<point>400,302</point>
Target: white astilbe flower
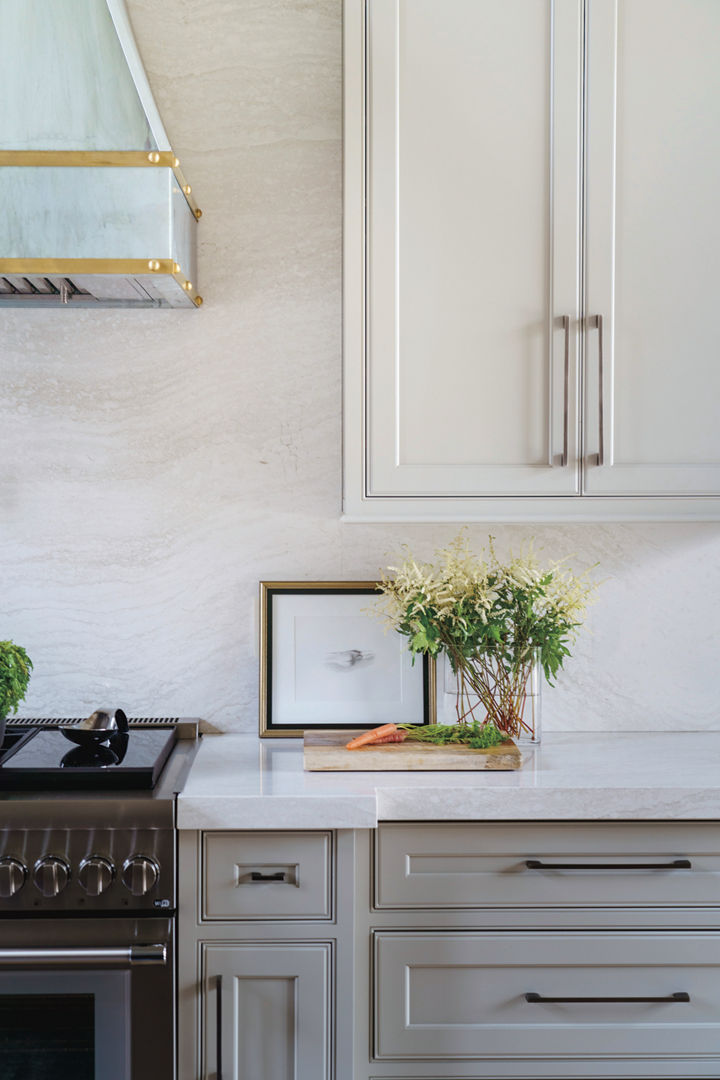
<point>460,593</point>
<point>568,595</point>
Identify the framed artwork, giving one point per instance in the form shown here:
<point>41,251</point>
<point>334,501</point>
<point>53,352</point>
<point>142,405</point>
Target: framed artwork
<point>326,662</point>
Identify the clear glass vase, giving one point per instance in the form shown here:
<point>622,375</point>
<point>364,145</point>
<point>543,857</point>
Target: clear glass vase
<point>489,687</point>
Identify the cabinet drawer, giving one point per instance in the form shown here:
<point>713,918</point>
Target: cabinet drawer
<point>473,865</point>
<point>267,875</point>
<point>453,995</point>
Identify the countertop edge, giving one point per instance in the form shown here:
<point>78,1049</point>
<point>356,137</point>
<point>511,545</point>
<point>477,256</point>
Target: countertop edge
<point>239,782</point>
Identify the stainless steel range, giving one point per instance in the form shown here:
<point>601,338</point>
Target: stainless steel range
<point>88,901</point>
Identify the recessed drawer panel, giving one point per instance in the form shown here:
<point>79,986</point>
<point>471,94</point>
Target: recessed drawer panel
<point>471,865</point>
<point>473,996</point>
<point>267,875</point>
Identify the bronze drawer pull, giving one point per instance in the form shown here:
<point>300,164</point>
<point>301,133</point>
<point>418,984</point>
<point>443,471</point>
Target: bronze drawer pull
<point>534,999</point>
<point>218,1030</point>
<point>257,876</point>
<point>676,864</point>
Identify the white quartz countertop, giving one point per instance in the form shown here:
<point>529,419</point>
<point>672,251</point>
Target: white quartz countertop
<point>242,782</point>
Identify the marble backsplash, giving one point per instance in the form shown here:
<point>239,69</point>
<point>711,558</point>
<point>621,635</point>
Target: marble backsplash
<point>154,466</point>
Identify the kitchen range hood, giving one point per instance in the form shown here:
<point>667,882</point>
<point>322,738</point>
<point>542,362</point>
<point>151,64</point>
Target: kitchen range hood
<point>94,210</point>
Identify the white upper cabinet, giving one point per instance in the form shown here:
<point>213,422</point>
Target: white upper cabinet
<point>653,248</point>
<point>465,380</point>
<point>528,183</point>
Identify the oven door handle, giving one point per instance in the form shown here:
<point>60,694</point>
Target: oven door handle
<point>130,956</point>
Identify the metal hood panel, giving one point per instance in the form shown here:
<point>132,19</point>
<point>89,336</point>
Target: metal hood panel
<point>90,189</point>
<point>73,74</point>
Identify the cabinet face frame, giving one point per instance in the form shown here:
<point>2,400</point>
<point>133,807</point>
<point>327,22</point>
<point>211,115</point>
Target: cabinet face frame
<point>358,503</point>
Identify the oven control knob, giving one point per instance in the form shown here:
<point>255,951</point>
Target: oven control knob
<point>12,877</point>
<point>95,874</point>
<point>51,875</point>
<point>140,873</point>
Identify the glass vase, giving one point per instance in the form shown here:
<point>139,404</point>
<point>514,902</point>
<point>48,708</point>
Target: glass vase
<point>508,693</point>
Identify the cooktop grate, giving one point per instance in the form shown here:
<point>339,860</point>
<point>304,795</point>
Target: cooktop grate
<point>72,721</point>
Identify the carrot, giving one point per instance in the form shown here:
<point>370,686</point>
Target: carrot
<point>393,737</point>
<point>369,737</point>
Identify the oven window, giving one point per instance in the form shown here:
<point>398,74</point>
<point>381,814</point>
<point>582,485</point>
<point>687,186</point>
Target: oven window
<point>47,1039</point>
<point>64,1026</point>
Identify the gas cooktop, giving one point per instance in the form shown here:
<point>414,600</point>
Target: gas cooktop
<point>38,757</point>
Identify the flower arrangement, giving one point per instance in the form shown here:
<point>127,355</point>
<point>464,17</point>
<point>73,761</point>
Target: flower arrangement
<point>493,620</point>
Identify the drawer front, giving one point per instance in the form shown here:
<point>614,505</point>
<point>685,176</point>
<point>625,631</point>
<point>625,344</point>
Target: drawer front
<point>472,865</point>
<point>267,875</point>
<point>452,995</point>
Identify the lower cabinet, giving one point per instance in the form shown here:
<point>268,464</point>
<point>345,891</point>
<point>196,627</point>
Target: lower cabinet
<point>265,945</point>
<point>451,951</point>
<point>524,950</point>
<point>266,1010</point>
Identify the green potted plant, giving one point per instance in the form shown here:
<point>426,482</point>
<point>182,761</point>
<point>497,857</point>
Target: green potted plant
<point>15,668</point>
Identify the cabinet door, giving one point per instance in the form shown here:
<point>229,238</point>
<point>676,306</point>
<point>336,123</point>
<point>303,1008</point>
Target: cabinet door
<point>471,242</point>
<point>267,1011</point>
<point>653,248</point>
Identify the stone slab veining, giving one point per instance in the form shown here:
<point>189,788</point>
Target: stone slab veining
<point>145,491</point>
<point>242,782</point>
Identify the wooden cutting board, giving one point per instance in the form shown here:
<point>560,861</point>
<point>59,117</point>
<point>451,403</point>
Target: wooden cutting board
<point>324,751</point>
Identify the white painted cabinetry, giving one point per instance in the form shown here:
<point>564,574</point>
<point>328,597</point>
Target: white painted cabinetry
<point>538,949</point>
<point>532,259</point>
<point>653,248</point>
<point>265,955</point>
<point>268,1003</point>
<point>473,950</point>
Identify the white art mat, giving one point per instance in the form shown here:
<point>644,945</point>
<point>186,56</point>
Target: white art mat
<point>333,663</point>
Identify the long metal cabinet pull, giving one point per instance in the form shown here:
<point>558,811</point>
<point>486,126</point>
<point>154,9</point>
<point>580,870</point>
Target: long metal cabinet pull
<point>130,956</point>
<point>597,323</point>
<point>564,321</point>
<point>218,1029</point>
<point>676,864</point>
<point>566,389</point>
<point>535,999</point>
